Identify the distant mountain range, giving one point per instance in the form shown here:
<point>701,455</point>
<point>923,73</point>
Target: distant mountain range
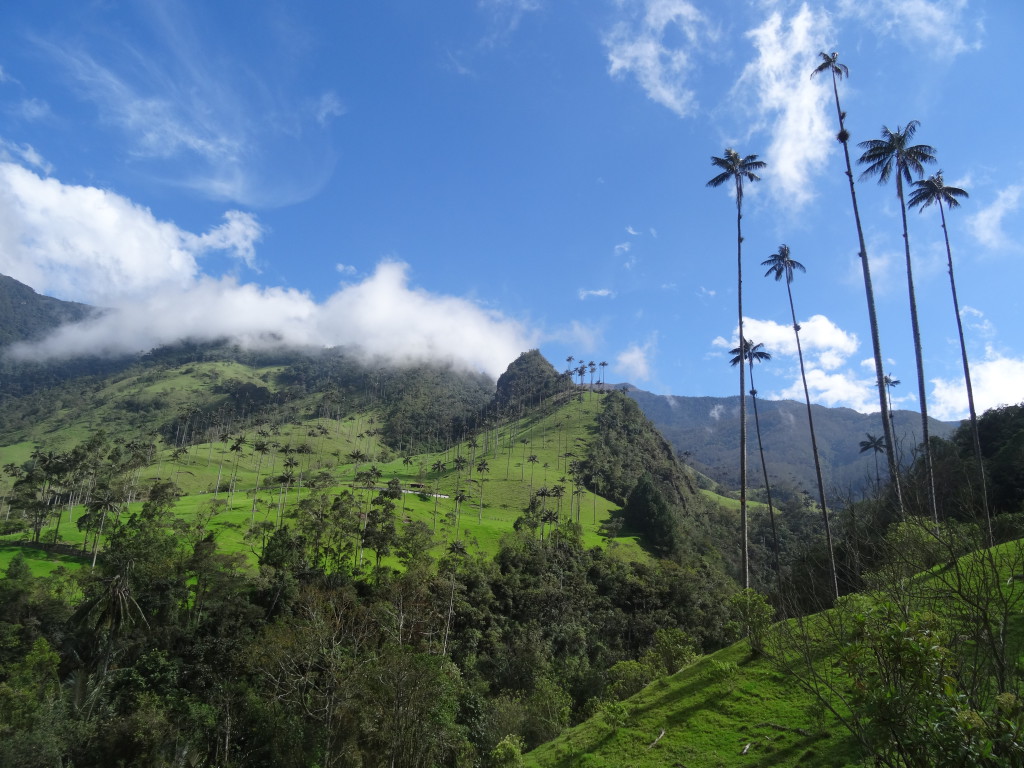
<point>705,430</point>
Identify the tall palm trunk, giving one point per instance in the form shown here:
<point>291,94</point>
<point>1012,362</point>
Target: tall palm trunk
<point>814,444</point>
<point>744,526</point>
<point>768,492</point>
<point>876,345</point>
<point>975,438</point>
<point>916,329</point>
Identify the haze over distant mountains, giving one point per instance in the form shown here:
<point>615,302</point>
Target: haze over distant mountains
<point>704,431</point>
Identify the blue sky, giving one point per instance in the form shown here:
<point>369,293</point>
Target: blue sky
<point>467,180</point>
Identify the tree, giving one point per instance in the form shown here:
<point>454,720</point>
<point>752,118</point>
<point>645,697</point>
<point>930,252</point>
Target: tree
<point>482,467</point>
<point>782,265</point>
<point>926,192</point>
<point>757,353</point>
<point>262,448</point>
<point>739,169</point>
<point>876,445</point>
<point>893,154</point>
<point>830,63</point>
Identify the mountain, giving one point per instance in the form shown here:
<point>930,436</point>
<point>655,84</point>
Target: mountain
<point>26,315</point>
<point>704,430</point>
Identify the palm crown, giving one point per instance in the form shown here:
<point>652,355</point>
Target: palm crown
<point>830,63</point>
<point>751,352</point>
<point>781,264</point>
<point>934,190</point>
<point>737,168</point>
<point>894,152</point>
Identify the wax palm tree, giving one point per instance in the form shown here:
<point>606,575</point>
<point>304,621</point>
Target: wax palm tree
<point>926,192</point>
<point>262,447</point>
<point>438,468</point>
<point>830,63</point>
<point>782,265</point>
<point>738,169</point>
<point>757,353</point>
<point>875,445</point>
<point>894,155</point>
<point>482,467</point>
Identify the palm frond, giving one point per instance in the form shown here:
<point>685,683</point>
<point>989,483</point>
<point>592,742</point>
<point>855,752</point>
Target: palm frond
<point>830,63</point>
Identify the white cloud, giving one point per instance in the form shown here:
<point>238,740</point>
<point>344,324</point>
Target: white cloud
<point>382,316</point>
<point>777,81</point>
<point>622,248</point>
<point>327,107</point>
<point>32,110</point>
<point>505,17</point>
<point>23,153</point>
<point>996,380</point>
<point>345,269</point>
<point>632,231</point>
<point>639,47</point>
<point>987,224</point>
<point>827,351</point>
<point>98,247</point>
<point>89,244</point>
<point>237,236</point>
<point>717,411</point>
<point>940,27</point>
<point>634,361</point>
<point>836,389</point>
<point>976,322</point>
<point>601,292</point>
<point>822,340</point>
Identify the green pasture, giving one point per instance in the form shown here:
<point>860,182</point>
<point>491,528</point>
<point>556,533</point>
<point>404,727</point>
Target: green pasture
<point>40,562</point>
<point>231,492</point>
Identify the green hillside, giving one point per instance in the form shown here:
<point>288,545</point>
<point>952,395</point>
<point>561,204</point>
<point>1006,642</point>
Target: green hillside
<point>922,670</point>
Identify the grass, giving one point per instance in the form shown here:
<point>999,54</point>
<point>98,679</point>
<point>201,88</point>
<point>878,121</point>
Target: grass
<point>734,708</point>
<point>40,562</point>
<point>727,709</point>
<point>506,485</point>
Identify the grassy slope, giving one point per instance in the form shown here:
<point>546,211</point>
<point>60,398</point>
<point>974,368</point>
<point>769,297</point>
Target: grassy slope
<point>716,715</point>
<point>506,486</point>
<point>710,712</point>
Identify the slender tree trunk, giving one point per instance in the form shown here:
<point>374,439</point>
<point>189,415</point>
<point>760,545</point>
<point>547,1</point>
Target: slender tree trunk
<point>814,445</point>
<point>743,381</point>
<point>916,328</point>
<point>869,292</point>
<point>975,437</point>
<point>768,492</point>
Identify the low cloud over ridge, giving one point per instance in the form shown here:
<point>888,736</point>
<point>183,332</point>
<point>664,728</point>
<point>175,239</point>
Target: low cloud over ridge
<point>95,246</point>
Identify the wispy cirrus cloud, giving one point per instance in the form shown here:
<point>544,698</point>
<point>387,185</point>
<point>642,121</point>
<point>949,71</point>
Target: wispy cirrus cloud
<point>598,292</point>
<point>505,16</point>
<point>941,27</point>
<point>24,154</point>
<point>184,113</point>
<point>789,104</point>
<point>642,46</point>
